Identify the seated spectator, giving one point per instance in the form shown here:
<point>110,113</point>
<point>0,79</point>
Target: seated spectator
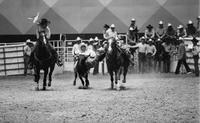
<point>191,30</point>
<point>149,32</point>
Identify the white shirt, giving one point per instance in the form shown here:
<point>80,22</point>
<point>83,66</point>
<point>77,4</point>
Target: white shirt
<point>141,47</point>
<point>75,49</point>
<point>27,50</point>
<point>111,34</point>
<point>151,49</point>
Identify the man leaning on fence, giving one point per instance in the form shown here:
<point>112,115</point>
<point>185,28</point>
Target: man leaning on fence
<point>27,53</point>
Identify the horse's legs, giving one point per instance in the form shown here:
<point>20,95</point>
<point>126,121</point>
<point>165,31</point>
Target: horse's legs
<point>87,81</point>
<point>116,79</point>
<point>124,74</point>
<point>111,79</point>
<point>82,80</point>
<point>37,77</point>
<point>45,78</point>
<point>75,76</point>
<point>50,74</point>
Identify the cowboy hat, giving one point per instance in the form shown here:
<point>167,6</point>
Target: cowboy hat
<point>131,28</point>
<point>149,26</point>
<point>96,38</point>
<point>190,22</point>
<point>160,22</point>
<point>44,21</point>
<point>169,24</point>
<point>83,44</point>
<point>112,26</point>
<point>91,39</point>
<point>180,26</point>
<point>78,39</point>
<point>106,26</point>
<point>133,19</point>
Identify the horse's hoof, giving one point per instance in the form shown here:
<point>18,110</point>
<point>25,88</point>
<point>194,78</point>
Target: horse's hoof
<point>37,88</point>
<point>49,84</point>
<point>74,83</point>
<point>80,87</point>
<point>123,81</point>
<point>44,88</point>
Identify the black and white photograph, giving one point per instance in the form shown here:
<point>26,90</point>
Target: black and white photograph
<point>99,61</point>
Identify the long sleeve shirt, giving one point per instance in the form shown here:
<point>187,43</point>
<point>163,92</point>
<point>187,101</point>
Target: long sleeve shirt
<point>151,49</point>
<point>149,34</point>
<point>181,51</point>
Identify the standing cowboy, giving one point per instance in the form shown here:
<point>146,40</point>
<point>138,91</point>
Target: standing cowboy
<point>150,53</point>
<point>195,53</point>
<point>75,49</point>
<point>166,56</point>
<point>149,32</point>
<point>158,55</point>
<point>182,57</point>
<point>142,47</point>
<point>27,54</point>
<point>96,46</point>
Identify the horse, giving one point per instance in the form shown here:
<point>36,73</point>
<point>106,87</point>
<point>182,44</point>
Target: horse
<point>43,59</point>
<point>117,62</point>
<point>82,69</point>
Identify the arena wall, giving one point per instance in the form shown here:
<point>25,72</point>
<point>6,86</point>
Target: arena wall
<point>88,16</point>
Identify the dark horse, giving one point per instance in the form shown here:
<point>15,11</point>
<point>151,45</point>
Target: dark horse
<point>43,59</point>
<point>81,69</point>
<point>117,62</point>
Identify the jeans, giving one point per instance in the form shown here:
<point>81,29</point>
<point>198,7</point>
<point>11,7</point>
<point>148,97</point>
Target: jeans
<point>196,64</point>
<point>182,61</point>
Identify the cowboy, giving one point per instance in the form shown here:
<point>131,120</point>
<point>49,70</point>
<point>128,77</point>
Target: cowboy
<point>159,55</point>
<point>182,57</point>
<point>96,47</point>
<point>149,32</point>
<point>181,32</point>
<point>90,44</point>
<point>75,49</point>
<point>141,54</point>
<point>191,30</point>
<point>132,34</point>
<point>195,53</point>
<point>198,26</point>
<point>43,33</point>
<point>166,56</point>
<point>150,53</point>
<point>27,54</point>
<point>170,34</point>
<point>105,31</point>
<point>88,52</point>
<point>112,33</point>
<point>160,31</point>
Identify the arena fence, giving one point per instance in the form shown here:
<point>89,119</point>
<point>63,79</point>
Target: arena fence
<point>12,61</point>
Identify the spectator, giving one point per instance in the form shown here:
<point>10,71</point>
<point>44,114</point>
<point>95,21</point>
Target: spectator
<point>96,46</point>
<point>191,30</point>
<point>133,31</point>
<point>198,26</point>
<point>75,49</point>
<point>166,57</point>
<point>182,57</point>
<point>27,53</point>
<point>170,34</point>
<point>150,53</point>
<point>158,55</point>
<point>149,32</point>
<point>160,31</point>
<point>142,47</point>
<point>195,53</point>
<point>181,32</point>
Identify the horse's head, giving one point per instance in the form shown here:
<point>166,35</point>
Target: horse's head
<point>112,45</point>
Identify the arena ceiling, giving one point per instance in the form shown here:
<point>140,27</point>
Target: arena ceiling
<point>89,16</point>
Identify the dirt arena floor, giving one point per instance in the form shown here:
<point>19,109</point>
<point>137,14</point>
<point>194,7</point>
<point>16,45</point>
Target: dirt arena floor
<point>148,98</point>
